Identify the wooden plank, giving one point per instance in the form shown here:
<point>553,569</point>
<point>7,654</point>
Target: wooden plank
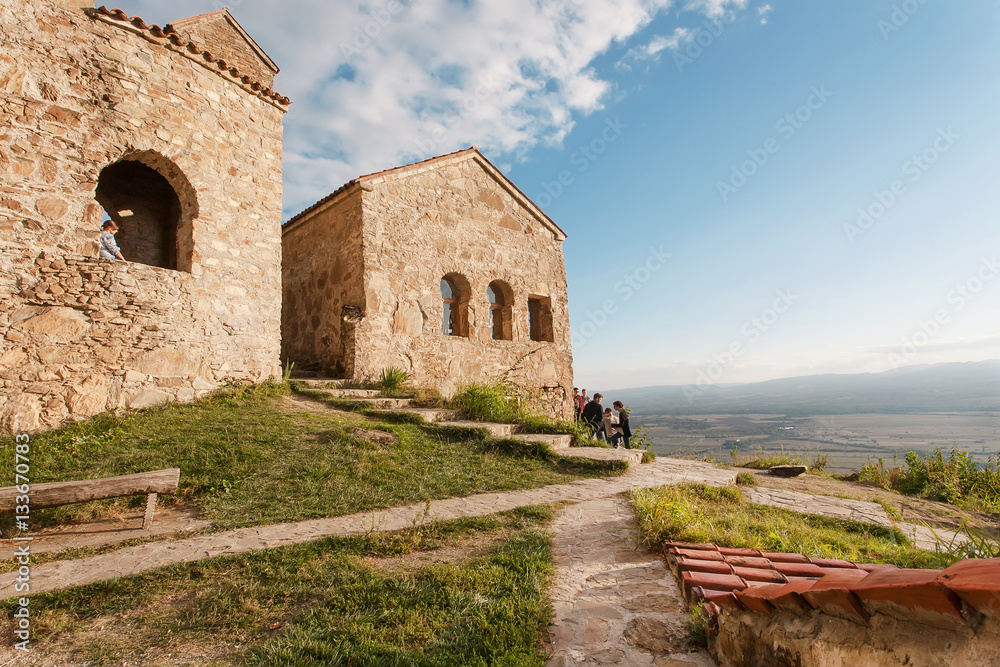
<point>53,494</point>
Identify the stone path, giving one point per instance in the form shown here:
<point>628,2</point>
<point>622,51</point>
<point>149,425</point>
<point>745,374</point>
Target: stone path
<point>615,601</point>
<point>147,557</point>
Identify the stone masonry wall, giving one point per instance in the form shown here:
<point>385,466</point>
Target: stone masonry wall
<point>453,216</point>
<point>214,33</point>
<point>321,272</point>
<point>78,334</point>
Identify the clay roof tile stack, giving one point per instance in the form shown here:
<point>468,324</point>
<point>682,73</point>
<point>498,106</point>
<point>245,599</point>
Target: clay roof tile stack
<point>766,583</point>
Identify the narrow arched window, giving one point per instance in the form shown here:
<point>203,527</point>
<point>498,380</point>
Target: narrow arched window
<point>455,301</point>
<point>450,297</point>
<point>500,298</point>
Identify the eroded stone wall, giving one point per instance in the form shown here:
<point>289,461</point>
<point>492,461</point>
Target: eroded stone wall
<point>80,334</point>
<point>454,217</point>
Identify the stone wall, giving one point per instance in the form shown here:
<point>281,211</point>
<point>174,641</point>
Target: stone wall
<point>321,273</point>
<point>450,216</point>
<point>786,639</point>
<point>218,33</point>
<point>79,92</point>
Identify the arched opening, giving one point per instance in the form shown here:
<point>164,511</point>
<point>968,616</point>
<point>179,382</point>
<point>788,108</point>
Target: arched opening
<point>154,224</point>
<point>455,300</point>
<point>500,297</point>
<point>540,319</point>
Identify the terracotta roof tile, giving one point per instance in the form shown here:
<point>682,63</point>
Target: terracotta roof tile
<point>759,574</point>
<point>977,582</point>
<point>799,569</point>
<point>710,566</point>
<point>716,582</point>
<point>697,554</point>
<point>903,593</point>
<point>748,553</point>
<point>749,561</point>
<point>829,562</point>
<point>778,557</point>
<point>833,595</point>
<point>756,598</point>
<point>691,545</point>
<point>172,41</point>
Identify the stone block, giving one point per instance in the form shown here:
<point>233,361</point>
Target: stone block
<point>147,399</point>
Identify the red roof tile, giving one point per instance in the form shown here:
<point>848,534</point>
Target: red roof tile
<point>756,598</point>
<point>977,581</point>
<point>716,582</point>
<point>902,592</point>
<point>828,562</point>
<point>710,566</point>
<point>759,574</point>
<point>698,554</point>
<point>799,569</point>
<point>172,41</point>
<point>777,557</point>
<point>833,595</point>
<point>749,553</point>
<point>749,561</point>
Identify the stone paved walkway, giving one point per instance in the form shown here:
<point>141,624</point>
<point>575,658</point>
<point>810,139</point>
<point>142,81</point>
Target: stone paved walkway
<point>147,557</point>
<point>615,601</point>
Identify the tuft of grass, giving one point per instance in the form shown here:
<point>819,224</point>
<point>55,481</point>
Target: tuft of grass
<point>968,542</point>
<point>699,622</point>
<point>743,478</point>
<point>392,378</point>
<point>327,602</point>
<point>698,513</point>
<point>648,456</point>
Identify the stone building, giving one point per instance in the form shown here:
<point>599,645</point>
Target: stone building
<point>442,268</point>
<point>174,133</point>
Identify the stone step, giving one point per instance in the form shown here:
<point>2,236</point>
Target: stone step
<point>633,456</point>
<point>392,404</point>
<point>555,441</point>
<point>430,415</point>
<point>320,382</point>
<point>351,393</point>
<point>496,430</point>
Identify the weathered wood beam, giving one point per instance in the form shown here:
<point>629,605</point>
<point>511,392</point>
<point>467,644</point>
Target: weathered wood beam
<point>54,494</point>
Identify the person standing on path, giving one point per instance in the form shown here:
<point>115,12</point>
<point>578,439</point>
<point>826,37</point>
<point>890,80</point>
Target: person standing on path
<point>593,415</point>
<point>109,247</point>
<point>612,431</point>
<point>623,423</point>
<point>577,403</point>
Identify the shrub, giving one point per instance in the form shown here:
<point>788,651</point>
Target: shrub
<point>496,401</point>
<point>744,478</point>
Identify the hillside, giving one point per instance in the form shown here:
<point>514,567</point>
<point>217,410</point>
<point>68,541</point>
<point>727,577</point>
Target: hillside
<point>961,387</point>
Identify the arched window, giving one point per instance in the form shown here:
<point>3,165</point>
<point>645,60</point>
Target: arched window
<point>154,227</point>
<point>540,319</point>
<point>455,301</point>
<point>500,298</point>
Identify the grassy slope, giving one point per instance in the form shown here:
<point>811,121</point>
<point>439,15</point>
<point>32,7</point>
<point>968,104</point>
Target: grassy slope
<point>696,513</point>
<point>323,603</point>
<point>247,458</point>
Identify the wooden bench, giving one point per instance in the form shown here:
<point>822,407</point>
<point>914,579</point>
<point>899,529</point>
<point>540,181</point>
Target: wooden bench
<point>54,494</point>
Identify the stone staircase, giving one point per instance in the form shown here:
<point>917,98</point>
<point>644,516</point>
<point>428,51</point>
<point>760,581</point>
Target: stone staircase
<point>559,443</point>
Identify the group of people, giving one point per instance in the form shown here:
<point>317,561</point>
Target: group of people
<point>604,424</point>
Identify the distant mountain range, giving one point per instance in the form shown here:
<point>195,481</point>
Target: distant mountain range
<point>950,387</point>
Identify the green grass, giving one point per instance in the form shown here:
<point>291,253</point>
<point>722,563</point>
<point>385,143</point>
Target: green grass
<point>246,458</point>
<point>325,603</point>
<point>697,513</point>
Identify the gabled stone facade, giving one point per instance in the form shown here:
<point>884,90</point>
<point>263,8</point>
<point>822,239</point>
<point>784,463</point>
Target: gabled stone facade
<point>102,114</point>
<point>362,276</point>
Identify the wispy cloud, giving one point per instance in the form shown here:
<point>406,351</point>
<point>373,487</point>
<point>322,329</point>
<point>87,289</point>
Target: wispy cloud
<point>763,11</point>
<point>652,51</point>
<point>376,84</point>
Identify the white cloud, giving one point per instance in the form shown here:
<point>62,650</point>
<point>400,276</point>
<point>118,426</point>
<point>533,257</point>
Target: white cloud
<point>377,84</point>
<point>763,11</point>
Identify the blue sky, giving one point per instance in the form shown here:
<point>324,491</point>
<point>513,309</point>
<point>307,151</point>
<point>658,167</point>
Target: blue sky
<point>821,174</point>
